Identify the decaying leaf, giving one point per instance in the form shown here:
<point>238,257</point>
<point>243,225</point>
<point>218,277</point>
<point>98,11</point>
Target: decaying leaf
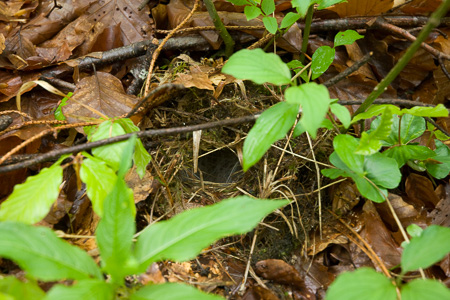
<point>98,96</point>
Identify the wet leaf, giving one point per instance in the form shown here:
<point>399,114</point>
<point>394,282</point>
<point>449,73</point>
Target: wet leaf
<point>347,37</point>
<point>321,60</point>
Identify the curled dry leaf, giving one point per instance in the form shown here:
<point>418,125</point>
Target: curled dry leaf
<point>279,271</point>
<point>98,96</point>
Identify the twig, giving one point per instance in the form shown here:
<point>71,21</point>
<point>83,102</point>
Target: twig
<point>140,134</point>
<point>349,70</point>
<point>161,45</point>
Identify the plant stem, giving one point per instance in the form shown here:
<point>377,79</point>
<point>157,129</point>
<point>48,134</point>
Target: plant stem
<point>306,31</point>
<point>223,32</point>
<point>403,61</point>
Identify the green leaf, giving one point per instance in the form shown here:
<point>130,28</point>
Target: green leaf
<point>382,170</point>
<point>433,112</point>
<point>115,232</point>
<point>424,289</point>
<point>347,37</point>
<point>141,156</point>
<point>116,229</point>
<point>376,110</point>
<point>299,129</point>
<point>411,128</point>
<point>423,251</point>
<point>31,201</point>
<point>268,7</point>
<point>363,283</point>
<point>403,153</point>
<point>302,6</point>
<point>321,60</point>
<point>271,126</point>
<point>185,235</point>
<point>327,3</point>
<point>239,2</point>
<point>345,147</point>
<point>289,19</point>
<point>43,255</point>
<point>315,101</point>
<point>171,291</point>
<point>58,112</point>
<point>414,230</point>
<point>341,113</point>
<point>246,64</point>
<point>83,289</point>
<point>99,180</point>
<point>437,133</point>
<point>370,142</point>
<point>297,66</point>
<point>441,170</point>
<point>29,290</point>
<point>111,154</point>
<point>271,24</point>
<point>252,12</point>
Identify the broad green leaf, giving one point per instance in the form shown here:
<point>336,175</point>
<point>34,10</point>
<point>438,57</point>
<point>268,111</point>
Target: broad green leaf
<point>239,2</point>
<point>414,230</point>
<point>29,290</point>
<point>367,189</point>
<point>271,24</point>
<point>171,291</point>
<point>342,113</point>
<point>347,37</point>
<point>58,112</point>
<point>423,251</point>
<point>43,255</point>
<point>299,129</point>
<point>141,156</point>
<point>327,3</point>
<point>252,12</point>
<point>382,170</point>
<point>302,6</point>
<point>268,7</point>
<point>246,64</point>
<point>376,110</point>
<point>289,19</point>
<point>424,289</point>
<point>111,154</point>
<point>31,201</point>
<point>345,147</point>
<point>185,235</point>
<point>314,100</point>
<point>363,283</point>
<point>403,153</point>
<point>433,112</point>
<point>83,289</point>
<point>321,60</point>
<point>99,180</point>
<point>441,170</point>
<point>116,229</point>
<point>371,141</point>
<point>411,128</point>
<point>4,296</point>
<point>115,232</point>
<point>271,126</point>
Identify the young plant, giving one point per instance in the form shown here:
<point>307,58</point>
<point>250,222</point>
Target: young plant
<point>45,257</point>
<point>425,249</point>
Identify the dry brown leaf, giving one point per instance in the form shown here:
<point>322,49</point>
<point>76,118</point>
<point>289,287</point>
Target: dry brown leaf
<point>420,191</point>
<point>362,7</point>
<point>100,94</point>
<point>134,24</point>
